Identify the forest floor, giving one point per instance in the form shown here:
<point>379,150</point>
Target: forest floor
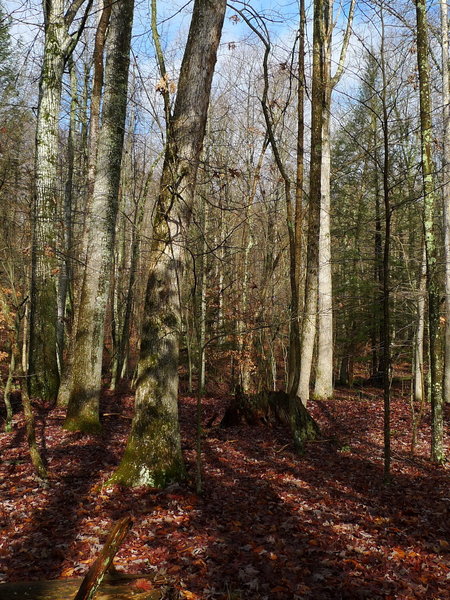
<point>269,524</point>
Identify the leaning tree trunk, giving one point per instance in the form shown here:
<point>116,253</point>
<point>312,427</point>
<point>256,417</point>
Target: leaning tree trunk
<point>153,452</point>
<point>83,407</point>
<point>437,424</point>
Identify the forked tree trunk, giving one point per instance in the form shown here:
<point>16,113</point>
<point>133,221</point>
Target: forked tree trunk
<point>153,453</point>
<point>83,407</point>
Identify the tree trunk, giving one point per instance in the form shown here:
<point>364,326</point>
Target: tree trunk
<point>271,407</point>
<point>90,143</point>
<point>83,407</point>
<point>58,46</point>
<point>323,388</point>
<point>296,244</point>
<point>419,379</point>
<point>43,365</point>
<point>446,189</point>
<point>98,569</point>
<point>315,184</point>
<point>437,426</point>
<point>386,329</point>
<point>64,278</point>
<point>153,452</point>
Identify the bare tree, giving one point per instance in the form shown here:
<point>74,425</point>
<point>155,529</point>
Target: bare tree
<point>153,452</point>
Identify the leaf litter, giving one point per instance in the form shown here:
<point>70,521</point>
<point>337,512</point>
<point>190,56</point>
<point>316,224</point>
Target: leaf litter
<point>269,524</point>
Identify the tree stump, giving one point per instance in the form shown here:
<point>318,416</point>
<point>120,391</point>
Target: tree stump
<point>270,407</point>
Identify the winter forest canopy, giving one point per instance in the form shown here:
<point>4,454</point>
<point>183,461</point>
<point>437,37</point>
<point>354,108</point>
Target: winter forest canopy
<point>226,218</point>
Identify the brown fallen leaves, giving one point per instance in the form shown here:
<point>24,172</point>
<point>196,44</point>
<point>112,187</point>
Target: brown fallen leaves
<point>269,525</point>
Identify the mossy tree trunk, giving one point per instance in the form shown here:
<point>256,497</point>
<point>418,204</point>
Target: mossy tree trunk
<point>153,453</point>
<point>58,47</point>
<point>446,187</point>
<point>429,192</point>
<point>89,142</point>
<point>83,407</point>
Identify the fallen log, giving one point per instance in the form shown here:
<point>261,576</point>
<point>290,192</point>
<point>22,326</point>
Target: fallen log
<point>113,587</point>
<point>101,577</point>
<point>104,560</point>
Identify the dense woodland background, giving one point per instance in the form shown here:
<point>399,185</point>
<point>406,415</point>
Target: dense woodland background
<point>214,205</point>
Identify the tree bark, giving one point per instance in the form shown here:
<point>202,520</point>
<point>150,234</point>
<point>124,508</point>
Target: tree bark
<point>419,378</point>
<point>315,185</point>
<point>446,188</point>
<point>323,387</point>
<point>426,134</point>
<point>58,46</point>
<point>83,407</point>
<point>89,141</point>
<point>153,453</point>
<point>98,569</point>
<point>43,366</point>
<point>296,244</point>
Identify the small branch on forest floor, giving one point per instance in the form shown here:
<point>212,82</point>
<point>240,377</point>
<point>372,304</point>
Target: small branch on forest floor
<point>115,414</point>
<point>283,448</point>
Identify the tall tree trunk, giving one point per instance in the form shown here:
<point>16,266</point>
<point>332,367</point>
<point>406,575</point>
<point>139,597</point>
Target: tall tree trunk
<point>89,140</point>
<point>153,452</point>
<point>446,189</point>
<point>202,307</point>
<point>378,263</point>
<point>297,226</point>
<point>315,184</point>
<point>426,134</point>
<point>43,366</point>
<point>58,46</point>
<point>386,329</point>
<point>83,407</point>
<point>323,387</point>
<point>64,278</point>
